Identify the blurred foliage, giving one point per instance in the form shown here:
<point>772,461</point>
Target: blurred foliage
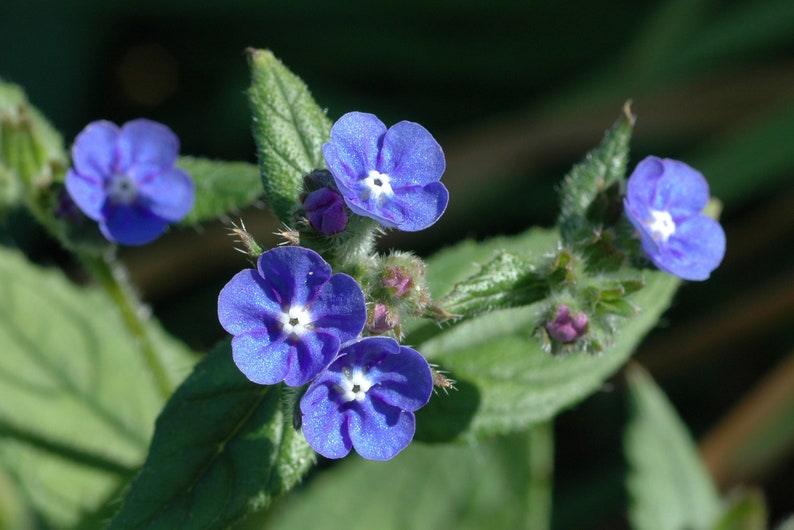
<point>515,92</point>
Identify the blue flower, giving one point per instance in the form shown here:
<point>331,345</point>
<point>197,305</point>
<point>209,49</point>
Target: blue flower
<point>664,201</point>
<point>390,176</point>
<point>289,316</point>
<point>366,400</point>
<point>125,179</point>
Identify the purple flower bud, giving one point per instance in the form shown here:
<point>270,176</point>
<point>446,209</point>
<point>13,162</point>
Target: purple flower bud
<point>566,328</point>
<point>325,210</point>
<point>67,209</point>
<point>382,320</point>
<point>397,280</point>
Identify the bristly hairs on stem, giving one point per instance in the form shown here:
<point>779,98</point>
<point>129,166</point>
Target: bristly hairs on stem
<point>288,235</point>
<point>249,245</point>
<point>441,381</point>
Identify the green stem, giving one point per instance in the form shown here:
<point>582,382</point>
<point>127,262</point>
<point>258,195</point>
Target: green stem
<point>541,473</point>
<point>112,276</point>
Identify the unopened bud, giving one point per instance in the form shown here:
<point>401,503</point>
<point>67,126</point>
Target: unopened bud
<point>325,210</point>
<point>566,328</point>
<point>382,319</point>
<point>397,280</point>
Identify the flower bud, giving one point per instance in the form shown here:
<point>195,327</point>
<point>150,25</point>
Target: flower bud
<point>397,280</point>
<point>382,319</point>
<point>325,210</point>
<point>566,328</point>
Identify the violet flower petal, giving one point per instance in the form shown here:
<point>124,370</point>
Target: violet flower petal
<point>391,176</point>
<point>130,224</point>
<point>664,201</point>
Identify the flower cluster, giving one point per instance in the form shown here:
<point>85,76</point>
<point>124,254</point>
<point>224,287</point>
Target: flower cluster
<point>125,178</point>
<point>665,200</point>
<point>295,321</point>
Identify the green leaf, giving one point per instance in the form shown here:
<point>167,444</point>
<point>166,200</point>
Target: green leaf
<point>222,188</point>
<point>587,192</point>
<point>507,382</point>
<point>223,447</point>
<point>289,130</point>
<point>669,486</point>
<point>745,511</point>
<point>29,146</point>
<point>508,280</point>
<point>424,487</point>
<point>14,511</point>
<point>463,260</point>
<point>468,259</point>
<point>78,402</point>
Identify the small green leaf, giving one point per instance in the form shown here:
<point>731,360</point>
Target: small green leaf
<point>29,145</point>
<point>78,402</point>
<point>465,260</point>
<point>507,382</point>
<point>222,448</point>
<point>746,510</point>
<point>588,192</point>
<point>669,485</point>
<point>289,130</point>
<point>508,280</point>
<point>222,188</point>
<point>424,488</point>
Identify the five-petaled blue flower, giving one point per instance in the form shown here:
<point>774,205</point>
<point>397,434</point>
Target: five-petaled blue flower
<point>392,175</point>
<point>366,399</point>
<point>664,201</point>
<point>289,316</point>
<point>125,179</point>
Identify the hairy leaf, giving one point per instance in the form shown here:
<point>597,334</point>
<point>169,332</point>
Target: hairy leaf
<point>745,510</point>
<point>289,130</point>
<point>222,188</point>
<point>462,487</point>
<point>223,447</point>
<point>669,486</point>
<point>508,280</point>
<point>588,192</point>
<point>78,402</point>
<point>469,259</point>
<point>507,382</point>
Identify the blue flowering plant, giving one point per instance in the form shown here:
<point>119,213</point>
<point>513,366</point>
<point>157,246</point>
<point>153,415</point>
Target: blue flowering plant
<point>332,345</point>
<point>125,178</point>
<point>665,200</point>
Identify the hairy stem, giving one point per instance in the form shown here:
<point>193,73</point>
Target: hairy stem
<point>541,470</point>
<point>112,276</point>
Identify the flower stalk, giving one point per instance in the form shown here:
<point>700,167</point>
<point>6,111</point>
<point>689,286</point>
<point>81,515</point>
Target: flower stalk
<point>111,274</point>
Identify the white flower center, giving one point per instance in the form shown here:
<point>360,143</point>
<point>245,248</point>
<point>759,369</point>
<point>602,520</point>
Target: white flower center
<point>376,186</point>
<point>660,225</point>
<point>354,385</point>
<point>296,321</point>
<point>122,188</point>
